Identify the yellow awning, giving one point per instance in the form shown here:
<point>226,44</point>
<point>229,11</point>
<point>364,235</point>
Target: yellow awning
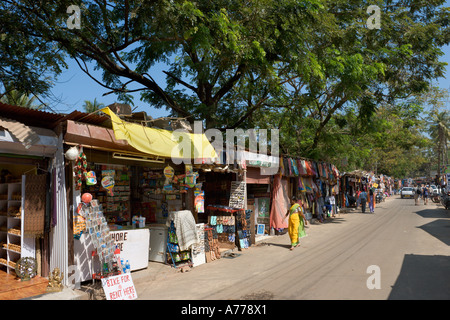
<point>164,143</point>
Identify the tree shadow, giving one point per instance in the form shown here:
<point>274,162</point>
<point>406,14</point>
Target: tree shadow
<point>433,213</point>
<point>422,278</point>
<point>440,229</point>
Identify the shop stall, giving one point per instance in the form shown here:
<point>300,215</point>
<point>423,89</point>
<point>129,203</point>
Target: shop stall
<point>140,192</point>
<point>26,211</point>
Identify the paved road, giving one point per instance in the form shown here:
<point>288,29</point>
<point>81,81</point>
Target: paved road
<point>406,245</point>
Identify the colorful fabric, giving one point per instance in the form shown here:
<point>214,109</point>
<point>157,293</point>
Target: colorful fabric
<point>280,203</point>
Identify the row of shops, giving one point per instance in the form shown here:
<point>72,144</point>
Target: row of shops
<point>91,193</point>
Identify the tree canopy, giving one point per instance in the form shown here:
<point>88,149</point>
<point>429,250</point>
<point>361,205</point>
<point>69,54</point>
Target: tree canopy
<point>306,67</point>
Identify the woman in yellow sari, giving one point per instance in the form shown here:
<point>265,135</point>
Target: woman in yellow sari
<point>297,222</point>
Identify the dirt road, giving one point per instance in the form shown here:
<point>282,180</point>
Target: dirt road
<point>399,252</point>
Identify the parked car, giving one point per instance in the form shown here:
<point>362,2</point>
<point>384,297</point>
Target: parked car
<point>407,192</point>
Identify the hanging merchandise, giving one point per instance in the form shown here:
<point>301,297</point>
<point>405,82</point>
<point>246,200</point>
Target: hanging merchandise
<point>72,153</point>
<point>199,202</point>
<point>282,168</point>
<point>91,178</point>
<point>291,173</point>
<point>102,240</point>
<point>169,172</point>
<point>301,187</point>
<point>308,168</point>
<point>191,177</point>
<point>301,168</point>
<point>306,183</point>
<point>79,226</point>
<point>80,169</point>
<point>86,198</point>
<point>316,170</point>
<point>108,183</point>
<point>294,167</point>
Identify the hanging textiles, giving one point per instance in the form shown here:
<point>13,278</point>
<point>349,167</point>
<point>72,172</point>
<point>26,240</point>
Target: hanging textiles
<point>185,228</point>
<point>316,170</point>
<point>307,184</point>
<point>161,142</point>
<point>301,167</point>
<point>35,205</point>
<point>294,166</point>
<point>280,203</point>
<point>291,173</point>
<point>308,168</point>
<point>301,187</point>
<point>282,168</point>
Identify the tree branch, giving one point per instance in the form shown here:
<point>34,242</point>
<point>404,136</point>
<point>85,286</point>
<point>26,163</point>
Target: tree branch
<point>187,85</point>
<point>229,84</point>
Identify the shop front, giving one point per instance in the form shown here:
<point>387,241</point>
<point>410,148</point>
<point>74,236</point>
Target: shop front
<point>132,204</point>
<point>317,184</point>
<point>27,216</point>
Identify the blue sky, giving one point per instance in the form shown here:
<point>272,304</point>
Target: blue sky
<point>73,87</point>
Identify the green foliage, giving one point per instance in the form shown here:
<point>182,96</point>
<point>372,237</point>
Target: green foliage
<point>313,69</point>
<point>16,98</point>
<point>92,106</point>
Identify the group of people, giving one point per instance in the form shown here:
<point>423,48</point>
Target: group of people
<point>363,198</point>
<point>424,192</point>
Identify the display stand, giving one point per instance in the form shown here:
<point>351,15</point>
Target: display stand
<point>222,220</point>
<point>243,231</point>
<point>212,251</point>
<point>175,257</point>
<point>13,244</point>
<point>10,224</point>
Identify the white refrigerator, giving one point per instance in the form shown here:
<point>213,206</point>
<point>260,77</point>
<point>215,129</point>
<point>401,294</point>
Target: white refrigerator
<point>158,243</point>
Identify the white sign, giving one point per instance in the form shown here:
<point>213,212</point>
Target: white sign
<point>133,245</point>
<point>119,287</point>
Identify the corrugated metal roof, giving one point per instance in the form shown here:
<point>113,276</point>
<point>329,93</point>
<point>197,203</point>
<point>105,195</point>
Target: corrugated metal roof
<point>29,117</point>
<point>21,132</point>
<point>48,120</point>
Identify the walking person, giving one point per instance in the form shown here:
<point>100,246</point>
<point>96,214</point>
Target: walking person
<point>358,200</point>
<point>425,195</point>
<point>363,199</point>
<point>371,200</point>
<point>417,196</point>
<point>297,222</point>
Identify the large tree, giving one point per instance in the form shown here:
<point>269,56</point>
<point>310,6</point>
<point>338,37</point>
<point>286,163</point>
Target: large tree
<point>295,65</point>
<point>208,45</point>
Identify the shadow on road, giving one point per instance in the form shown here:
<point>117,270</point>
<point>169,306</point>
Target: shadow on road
<point>434,213</point>
<point>440,229</point>
<point>423,278</point>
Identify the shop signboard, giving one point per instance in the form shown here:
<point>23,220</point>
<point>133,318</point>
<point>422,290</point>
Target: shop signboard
<point>119,287</point>
<point>133,245</point>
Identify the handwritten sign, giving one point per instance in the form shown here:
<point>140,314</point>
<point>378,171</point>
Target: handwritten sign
<point>119,287</point>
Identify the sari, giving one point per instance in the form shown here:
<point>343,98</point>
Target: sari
<point>296,227</point>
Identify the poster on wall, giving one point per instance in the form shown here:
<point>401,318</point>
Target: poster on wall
<point>237,194</point>
<point>262,207</point>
